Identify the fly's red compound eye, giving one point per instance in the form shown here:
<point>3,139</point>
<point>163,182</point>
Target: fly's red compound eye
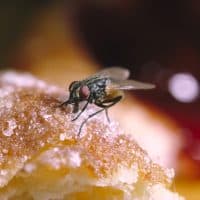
<point>84,92</point>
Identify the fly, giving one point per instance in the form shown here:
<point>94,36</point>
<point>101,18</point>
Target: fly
<point>104,89</point>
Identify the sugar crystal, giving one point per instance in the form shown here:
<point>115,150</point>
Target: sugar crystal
<point>11,126</point>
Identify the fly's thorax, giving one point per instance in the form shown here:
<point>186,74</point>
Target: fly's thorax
<point>97,87</point>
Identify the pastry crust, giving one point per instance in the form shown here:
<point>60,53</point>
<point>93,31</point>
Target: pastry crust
<point>42,157</point>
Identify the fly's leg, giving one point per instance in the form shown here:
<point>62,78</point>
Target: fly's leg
<point>90,116</point>
<point>107,104</point>
<point>64,103</point>
<point>106,111</point>
<point>76,107</point>
<point>83,109</point>
<point>104,105</point>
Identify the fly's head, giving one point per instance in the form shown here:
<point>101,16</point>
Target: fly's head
<point>78,92</point>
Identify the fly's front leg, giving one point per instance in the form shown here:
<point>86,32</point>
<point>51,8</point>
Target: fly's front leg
<point>106,111</point>
<point>75,105</point>
<point>64,103</point>
<point>83,109</point>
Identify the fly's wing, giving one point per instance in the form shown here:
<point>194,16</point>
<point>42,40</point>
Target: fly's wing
<point>130,85</point>
<point>115,73</point>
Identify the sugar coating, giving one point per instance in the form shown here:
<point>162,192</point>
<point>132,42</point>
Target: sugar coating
<point>21,80</point>
<point>10,129</point>
<point>35,125</point>
<point>74,158</point>
<point>156,192</point>
<point>29,167</point>
<point>60,157</point>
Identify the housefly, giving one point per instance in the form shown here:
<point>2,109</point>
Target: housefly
<point>104,89</point>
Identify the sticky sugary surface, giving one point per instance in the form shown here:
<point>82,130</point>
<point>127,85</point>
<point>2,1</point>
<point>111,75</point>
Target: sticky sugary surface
<point>39,146</point>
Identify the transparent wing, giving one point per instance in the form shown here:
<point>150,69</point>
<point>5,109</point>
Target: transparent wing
<point>131,85</point>
<point>115,73</point>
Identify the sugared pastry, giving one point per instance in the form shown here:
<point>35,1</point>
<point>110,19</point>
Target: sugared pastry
<point>42,157</point>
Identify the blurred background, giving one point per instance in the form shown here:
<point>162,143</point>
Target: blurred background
<point>158,41</point>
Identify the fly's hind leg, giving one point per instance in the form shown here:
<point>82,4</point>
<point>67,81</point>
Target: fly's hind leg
<point>107,104</point>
